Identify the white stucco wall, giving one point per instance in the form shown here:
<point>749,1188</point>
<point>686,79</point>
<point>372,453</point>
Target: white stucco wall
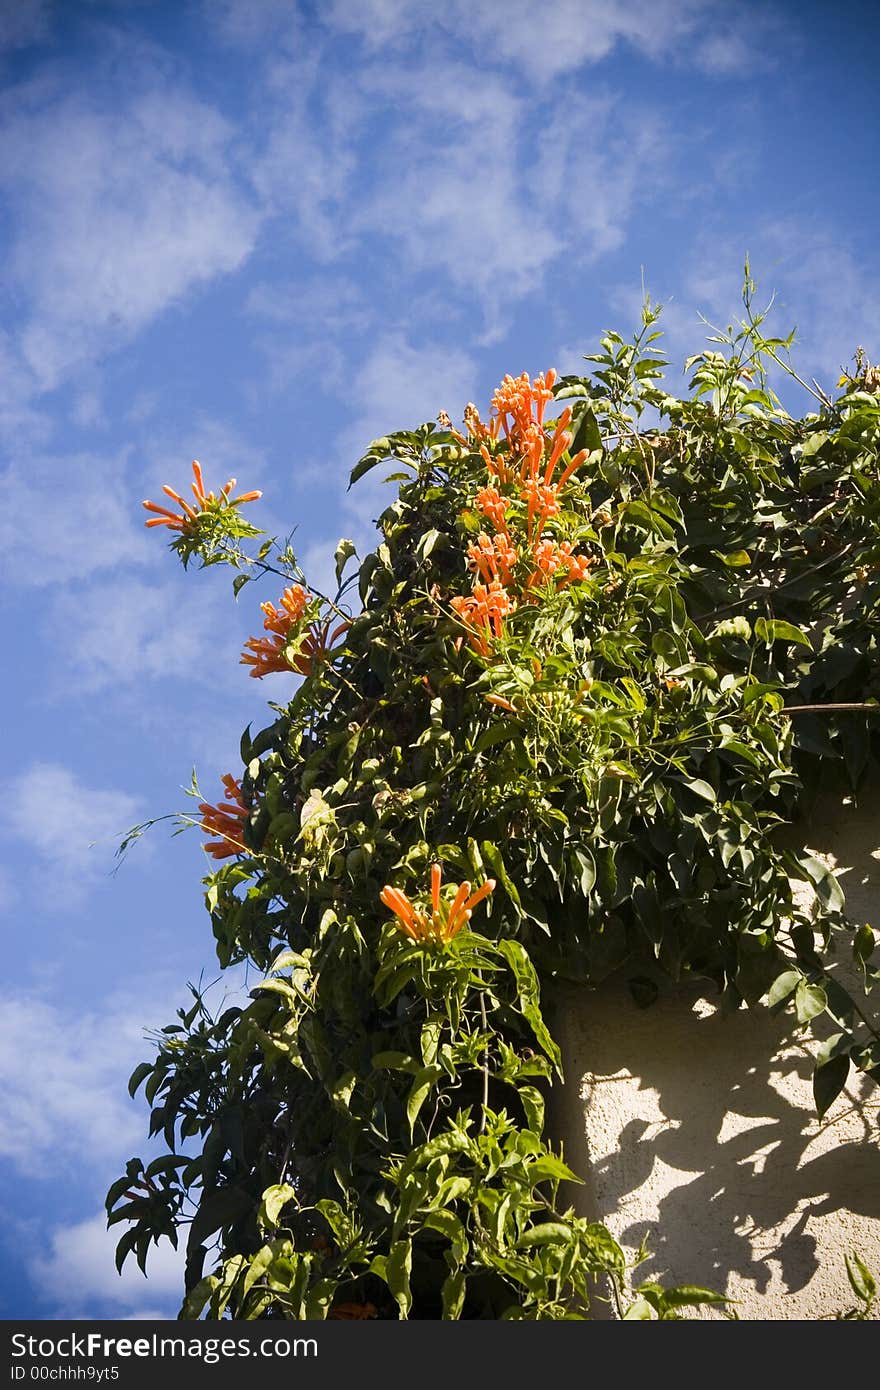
<point>698,1131</point>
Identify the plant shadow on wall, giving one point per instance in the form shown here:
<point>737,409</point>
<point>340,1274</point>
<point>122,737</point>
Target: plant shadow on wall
<point>549,726</point>
<point>722,1149</point>
<point>721,1157</point>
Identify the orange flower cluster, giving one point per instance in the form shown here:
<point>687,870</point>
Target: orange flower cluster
<point>526,467</point>
<point>185,519</point>
<point>493,558</point>
<point>445,920</point>
<point>557,562</point>
<point>267,655</point>
<point>225,821</point>
<point>484,611</point>
<point>493,506</point>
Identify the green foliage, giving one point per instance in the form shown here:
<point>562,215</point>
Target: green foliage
<point>864,1286</point>
<point>369,1127</point>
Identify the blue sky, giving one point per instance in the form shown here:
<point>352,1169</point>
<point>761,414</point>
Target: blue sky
<point>260,233</point>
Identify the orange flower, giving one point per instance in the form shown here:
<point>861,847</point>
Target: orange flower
<point>484,612</point>
<point>268,655</point>
<point>225,821</point>
<point>493,506</point>
<point>556,562</point>
<point>543,503</point>
<point>516,397</point>
<point>293,602</point>
<point>493,558</point>
<point>474,425</point>
<point>445,920</point>
<point>185,519</point>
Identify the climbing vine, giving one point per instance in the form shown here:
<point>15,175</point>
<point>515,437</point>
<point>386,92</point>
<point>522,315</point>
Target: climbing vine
<point>547,730</point>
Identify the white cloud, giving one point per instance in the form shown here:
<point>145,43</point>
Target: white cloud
<point>828,289</point>
<point>222,450</point>
<point>313,116</point>
<point>397,387</point>
<point>64,1070</point>
<point>456,184</point>
<point>71,830</point>
<point>123,631</point>
<point>87,411</point>
<point>599,159</point>
<point>63,1075</point>
<point>563,35</point>
<point>79,1271</point>
<point>117,211</point>
<point>67,517</point>
<point>252,22</point>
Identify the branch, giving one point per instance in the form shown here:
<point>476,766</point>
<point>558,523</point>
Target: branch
<point>831,709</point>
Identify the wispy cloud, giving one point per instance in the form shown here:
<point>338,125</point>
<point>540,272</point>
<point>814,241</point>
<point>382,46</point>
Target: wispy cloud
<point>475,217</point>
<point>78,1276</point>
<point>564,35</point>
<point>250,23</point>
<point>118,208</point>
<point>66,517</point>
<point>397,387</point>
<point>59,817</point>
<point>62,1081</point>
<point>123,631</point>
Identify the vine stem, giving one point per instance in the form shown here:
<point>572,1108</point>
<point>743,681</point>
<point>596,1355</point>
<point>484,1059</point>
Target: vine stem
<point>818,709</point>
<point>485,1024</point>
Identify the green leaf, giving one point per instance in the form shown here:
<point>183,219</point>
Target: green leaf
<point>639,1311</point>
<point>533,1104</point>
<point>772,630</point>
<point>527,984</point>
<point>379,449</point>
<point>863,1283</point>
<point>394,1061</point>
<point>427,544</point>
<point>700,788</point>
<point>453,1292</point>
<point>691,1296</point>
<point>493,858</point>
<point>398,1266</point>
<point>784,985</point>
<point>344,551</point>
<point>257,1268</point>
<point>167,1163</point>
<point>140,1073</point>
<point>585,869</point>
<point>419,1091</point>
<point>828,1082</point>
<point>448,1224</point>
<point>809,1000</point>
<point>275,1199</point>
<point>194,1303</point>
<point>864,943</point>
<point>546,1233</point>
<point>585,433</point>
<point>823,879</point>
